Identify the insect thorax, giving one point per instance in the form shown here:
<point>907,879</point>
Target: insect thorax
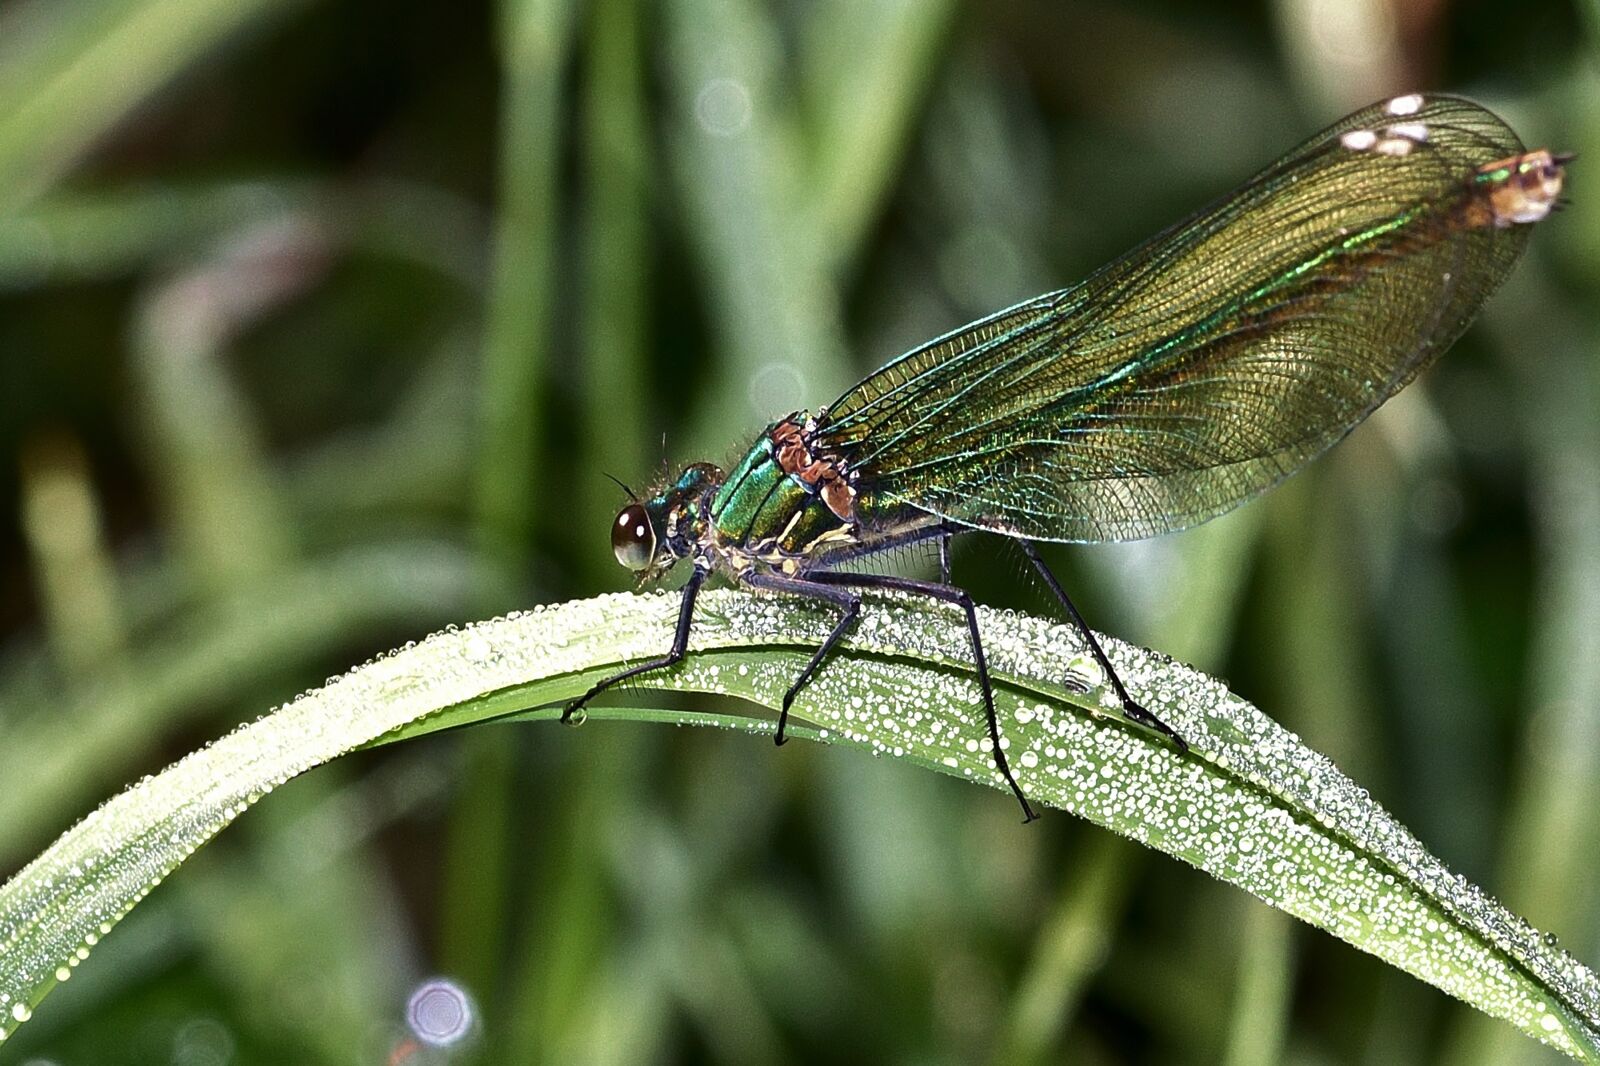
<point>784,500</point>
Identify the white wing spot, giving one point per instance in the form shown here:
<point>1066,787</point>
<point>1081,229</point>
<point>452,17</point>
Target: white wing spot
<point>1409,104</point>
<point>622,520</point>
<point>1358,140</point>
<point>1411,131</point>
<point>638,531</point>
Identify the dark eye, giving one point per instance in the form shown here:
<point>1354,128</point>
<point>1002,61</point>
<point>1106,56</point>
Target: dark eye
<point>632,538</point>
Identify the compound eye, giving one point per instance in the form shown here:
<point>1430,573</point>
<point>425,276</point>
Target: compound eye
<point>632,537</point>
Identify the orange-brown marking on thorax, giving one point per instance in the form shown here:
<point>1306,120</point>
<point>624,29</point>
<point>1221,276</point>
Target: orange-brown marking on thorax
<point>1528,191</point>
<point>822,475</point>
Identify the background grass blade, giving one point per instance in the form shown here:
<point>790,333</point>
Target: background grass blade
<point>535,40</point>
<point>1251,805</point>
<point>90,65</point>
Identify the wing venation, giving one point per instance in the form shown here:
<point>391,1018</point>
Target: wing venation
<point>1208,363</point>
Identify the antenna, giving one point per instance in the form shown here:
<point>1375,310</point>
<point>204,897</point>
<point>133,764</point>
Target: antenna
<point>631,494</point>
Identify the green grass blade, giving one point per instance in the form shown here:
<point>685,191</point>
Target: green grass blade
<point>736,151</point>
<point>89,66</point>
<point>534,39</point>
<point>865,69</point>
<point>201,438</point>
<point>98,233</point>
<point>1070,948</point>
<point>1262,991</point>
<point>77,579</point>
<point>619,170</point>
<point>1250,805</point>
<point>212,654</point>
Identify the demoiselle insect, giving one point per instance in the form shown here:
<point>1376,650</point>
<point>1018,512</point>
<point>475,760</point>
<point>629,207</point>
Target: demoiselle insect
<point>1172,385</point>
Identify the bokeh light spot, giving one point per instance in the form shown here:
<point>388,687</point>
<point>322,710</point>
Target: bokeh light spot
<point>723,107</point>
<point>203,1042</point>
<point>439,1012</point>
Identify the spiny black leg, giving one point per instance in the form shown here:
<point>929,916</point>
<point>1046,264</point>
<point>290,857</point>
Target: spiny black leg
<point>959,597</point>
<point>1130,709</point>
<point>800,587</point>
<point>680,643</point>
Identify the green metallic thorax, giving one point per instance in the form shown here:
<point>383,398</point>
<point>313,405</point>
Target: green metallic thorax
<point>760,507</point>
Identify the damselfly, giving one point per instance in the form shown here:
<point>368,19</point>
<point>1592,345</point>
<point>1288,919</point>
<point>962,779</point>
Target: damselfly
<point>1184,378</point>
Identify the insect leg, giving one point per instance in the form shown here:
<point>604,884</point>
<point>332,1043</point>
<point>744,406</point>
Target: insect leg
<point>944,558</point>
<point>680,643</point>
<point>1130,709</point>
<point>959,597</point>
<point>803,587</point>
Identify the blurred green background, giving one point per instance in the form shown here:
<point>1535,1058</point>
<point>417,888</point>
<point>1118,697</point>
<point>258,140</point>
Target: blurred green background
<point>320,321</point>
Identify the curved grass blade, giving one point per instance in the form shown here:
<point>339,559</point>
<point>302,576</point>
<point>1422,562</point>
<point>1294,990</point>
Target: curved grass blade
<point>1249,805</point>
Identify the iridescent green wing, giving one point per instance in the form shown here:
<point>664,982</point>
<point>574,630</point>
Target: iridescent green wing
<point>1213,360</point>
